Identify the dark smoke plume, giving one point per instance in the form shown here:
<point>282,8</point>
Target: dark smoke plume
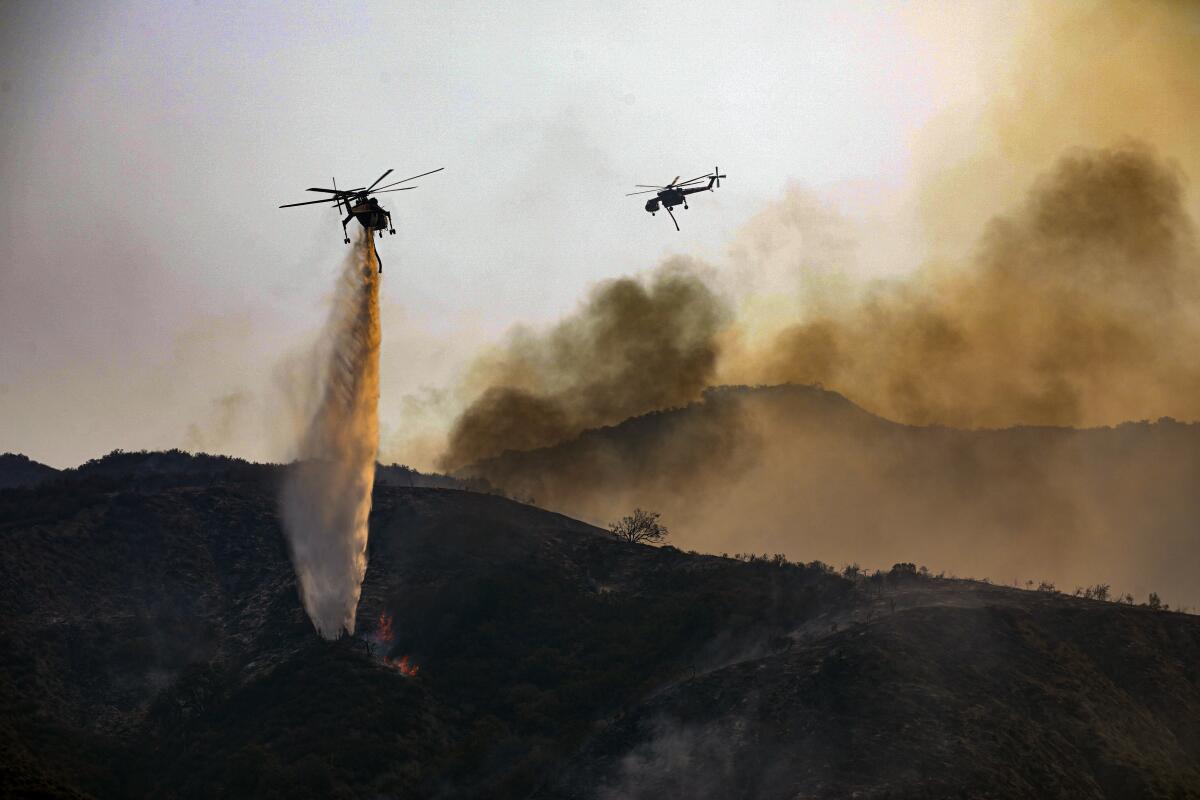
<point>1080,308</point>
<point>326,499</point>
<point>634,347</point>
<point>1079,305</point>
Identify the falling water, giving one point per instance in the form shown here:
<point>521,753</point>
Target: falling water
<point>326,497</point>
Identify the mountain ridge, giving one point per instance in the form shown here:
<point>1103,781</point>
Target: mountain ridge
<point>803,471</point>
<point>152,643</point>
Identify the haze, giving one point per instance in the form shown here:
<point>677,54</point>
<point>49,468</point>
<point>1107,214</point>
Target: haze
<point>149,286</point>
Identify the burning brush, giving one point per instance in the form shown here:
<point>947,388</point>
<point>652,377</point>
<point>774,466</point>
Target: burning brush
<point>381,641</point>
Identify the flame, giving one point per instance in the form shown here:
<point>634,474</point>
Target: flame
<point>385,633</point>
<point>404,665</point>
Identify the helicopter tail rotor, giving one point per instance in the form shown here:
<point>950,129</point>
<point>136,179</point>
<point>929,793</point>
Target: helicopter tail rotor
<point>717,177</point>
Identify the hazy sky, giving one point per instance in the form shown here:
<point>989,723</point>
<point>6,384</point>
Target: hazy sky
<point>150,286</point>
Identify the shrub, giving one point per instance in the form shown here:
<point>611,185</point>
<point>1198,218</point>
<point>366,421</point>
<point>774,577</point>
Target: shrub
<point>642,526</point>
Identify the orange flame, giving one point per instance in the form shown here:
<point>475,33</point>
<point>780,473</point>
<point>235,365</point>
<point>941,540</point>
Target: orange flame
<point>386,634</point>
<point>404,665</point>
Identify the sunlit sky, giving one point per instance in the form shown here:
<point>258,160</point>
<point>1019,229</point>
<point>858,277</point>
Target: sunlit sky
<point>146,271</point>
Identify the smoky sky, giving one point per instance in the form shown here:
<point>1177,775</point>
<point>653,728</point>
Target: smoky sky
<point>1073,302</point>
<point>975,215</point>
<point>634,347</point>
<point>1080,308</point>
<point>146,273</point>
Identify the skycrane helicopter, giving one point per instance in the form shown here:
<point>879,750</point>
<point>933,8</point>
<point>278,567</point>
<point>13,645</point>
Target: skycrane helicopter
<point>359,205</point>
<point>675,193</point>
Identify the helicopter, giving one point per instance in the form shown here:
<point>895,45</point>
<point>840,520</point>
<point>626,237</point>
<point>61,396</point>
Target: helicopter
<point>360,205</point>
<point>675,193</point>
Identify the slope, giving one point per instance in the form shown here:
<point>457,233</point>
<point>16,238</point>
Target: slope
<point>152,644</point>
<point>802,471</point>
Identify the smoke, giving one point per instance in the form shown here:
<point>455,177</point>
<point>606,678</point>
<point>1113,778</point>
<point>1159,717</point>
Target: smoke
<point>679,760</point>
<point>1060,287</point>
<point>634,347</point>
<point>1081,307</point>
<point>1077,75</point>
<point>217,431</point>
<point>326,498</point>
<point>1077,306</point>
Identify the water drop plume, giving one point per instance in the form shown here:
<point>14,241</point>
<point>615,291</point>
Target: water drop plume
<point>326,497</point>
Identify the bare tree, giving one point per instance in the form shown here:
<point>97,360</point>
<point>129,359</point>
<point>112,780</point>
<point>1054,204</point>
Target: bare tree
<point>643,526</point>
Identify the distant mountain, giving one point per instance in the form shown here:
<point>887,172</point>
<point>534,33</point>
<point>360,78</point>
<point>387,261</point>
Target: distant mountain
<point>803,471</point>
<point>402,475</point>
<point>19,470</point>
<point>177,467</point>
<point>152,644</point>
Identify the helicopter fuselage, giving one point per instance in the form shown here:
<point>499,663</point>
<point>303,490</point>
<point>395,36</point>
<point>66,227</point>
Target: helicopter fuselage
<point>371,216</point>
<point>669,198</point>
<point>360,205</point>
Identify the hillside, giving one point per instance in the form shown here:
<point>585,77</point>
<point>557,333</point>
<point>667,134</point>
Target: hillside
<point>18,470</point>
<point>152,645</point>
<point>805,472</point>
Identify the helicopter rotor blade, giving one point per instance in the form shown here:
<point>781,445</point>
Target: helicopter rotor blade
<point>648,191</point>
<point>401,189</point>
<point>377,180</point>
<point>648,186</point>
<point>703,177</point>
<point>672,183</point>
<point>318,189</point>
<point>328,200</point>
<point>413,178</point>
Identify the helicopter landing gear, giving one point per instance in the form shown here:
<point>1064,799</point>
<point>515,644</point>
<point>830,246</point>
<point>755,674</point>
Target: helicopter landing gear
<point>392,231</point>
<point>346,240</point>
